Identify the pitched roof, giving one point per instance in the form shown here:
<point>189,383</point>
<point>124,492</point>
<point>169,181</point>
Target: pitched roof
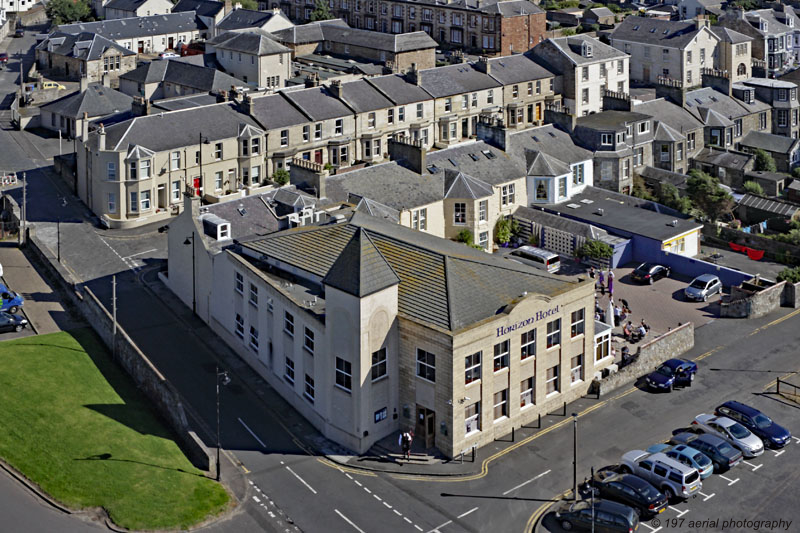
<point>455,79</point>
<point>728,35</point>
<point>388,183</point>
<point>699,101</point>
<point>779,144</point>
<point>767,204</point>
<point>397,89</point>
<point>667,33</point>
<point>363,97</point>
<point>541,164</point>
<point>549,140</point>
<point>401,42</point>
<point>666,112</point>
<point>376,209</point>
<point>244,19</point>
<point>477,159</point>
<point>664,176</point>
<point>550,220</point>
<point>129,28</point>
<point>180,73</point>
<point>203,8</point>
<point>125,5</point>
<point>723,158</point>
<point>442,283</point>
<point>665,132</point>
<point>256,41</point>
<point>360,269</point>
<point>460,185</point>
<point>570,49</point>
<point>184,102</point>
<point>505,8</point>
<point>516,68</point>
<point>274,111</point>
<point>317,103</point>
<point>306,33</point>
<point>97,100</point>
<point>600,12</point>
<point>611,119</point>
<point>84,45</point>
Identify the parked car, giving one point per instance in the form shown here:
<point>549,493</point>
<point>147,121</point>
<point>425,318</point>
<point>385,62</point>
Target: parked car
<point>732,431</point>
<point>52,85</point>
<point>723,456</point>
<point>760,424</point>
<point>3,58</point>
<point>703,287</point>
<point>686,455</point>
<point>9,322</point>
<point>649,273</point>
<point>674,479</point>
<point>19,33</point>
<point>11,300</point>
<point>672,372</point>
<point>167,55</point>
<point>629,490</point>
<point>608,516</point>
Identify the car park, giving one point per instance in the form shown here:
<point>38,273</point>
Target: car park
<point>732,431</point>
<point>670,373</point>
<point>607,516</point>
<point>630,490</point>
<point>11,300</point>
<point>686,455</point>
<point>674,479</point>
<point>649,273</point>
<point>9,322</point>
<point>760,424</point>
<point>703,287</point>
<point>722,454</point>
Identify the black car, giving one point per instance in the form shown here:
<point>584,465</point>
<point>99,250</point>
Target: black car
<point>649,273</point>
<point>722,454</point>
<point>608,516</point>
<point>757,422</point>
<point>19,33</point>
<point>9,322</point>
<point>629,490</point>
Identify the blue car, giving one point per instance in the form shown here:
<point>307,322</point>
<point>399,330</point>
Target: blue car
<point>11,300</point>
<point>723,456</point>
<point>757,422</point>
<point>686,455</point>
<point>672,372</point>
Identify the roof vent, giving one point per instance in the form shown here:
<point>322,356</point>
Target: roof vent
<point>242,210</point>
<point>574,206</point>
<point>473,157</point>
<point>599,211</point>
<point>587,201</point>
<point>673,223</point>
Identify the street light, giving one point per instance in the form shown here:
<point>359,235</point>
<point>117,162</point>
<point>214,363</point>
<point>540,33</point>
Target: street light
<point>575,457</point>
<point>225,380</point>
<point>194,284</point>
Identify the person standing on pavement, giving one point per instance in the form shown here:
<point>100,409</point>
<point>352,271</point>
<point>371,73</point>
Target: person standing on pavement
<point>610,282</point>
<point>617,315</point>
<point>405,444</point>
<point>602,281</point>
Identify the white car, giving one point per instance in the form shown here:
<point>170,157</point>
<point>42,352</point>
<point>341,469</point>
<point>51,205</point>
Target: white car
<point>732,431</point>
<point>167,55</point>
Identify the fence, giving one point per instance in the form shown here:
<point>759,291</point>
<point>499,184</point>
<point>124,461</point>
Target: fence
<point>790,391</point>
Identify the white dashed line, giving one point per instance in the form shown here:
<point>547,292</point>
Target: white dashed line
<point>348,475</point>
<point>777,453</point>
<point>387,505</point>
<point>525,483</point>
<point>470,511</point>
<point>377,497</point>
<point>368,491</point>
<point>349,521</point>
<point>437,528</point>
<point>357,482</point>
<point>398,513</point>
<point>418,528</point>
<point>303,481</point>
<point>255,498</point>
<point>407,519</point>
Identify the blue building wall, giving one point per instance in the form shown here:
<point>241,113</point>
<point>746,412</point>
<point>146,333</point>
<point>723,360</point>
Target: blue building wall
<point>694,267</point>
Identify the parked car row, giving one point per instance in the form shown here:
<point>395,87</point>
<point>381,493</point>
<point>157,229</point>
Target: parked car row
<point>9,306</point>
<point>699,289</point>
<point>647,481</point>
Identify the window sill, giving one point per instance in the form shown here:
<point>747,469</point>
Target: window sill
<point>604,359</point>
<point>498,420</point>
<point>576,383</point>
<point>309,352</point>
<point>526,406</point>
<point>473,382</point>
<point>309,398</point>
<point>527,359</point>
<point>382,378</point>
<point>551,394</point>
<point>337,386</point>
<point>577,337</point>
<point>554,347</point>
<point>290,334</point>
<point>499,370</point>
<point>426,380</point>
<point>472,433</point>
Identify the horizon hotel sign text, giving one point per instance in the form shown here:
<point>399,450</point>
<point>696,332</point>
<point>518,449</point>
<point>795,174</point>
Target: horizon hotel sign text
<point>540,315</point>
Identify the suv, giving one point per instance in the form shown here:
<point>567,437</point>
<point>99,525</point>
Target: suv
<point>674,479</point>
<point>608,516</point>
<point>702,287</point>
<point>722,454</point>
<point>629,490</point>
<point>760,424</point>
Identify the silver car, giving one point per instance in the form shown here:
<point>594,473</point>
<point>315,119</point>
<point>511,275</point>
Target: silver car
<point>674,479</point>
<point>703,287</point>
<point>735,433</point>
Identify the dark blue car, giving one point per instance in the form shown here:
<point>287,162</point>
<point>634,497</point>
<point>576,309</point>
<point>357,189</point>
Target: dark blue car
<point>722,454</point>
<point>672,372</point>
<point>11,300</point>
<point>757,422</point>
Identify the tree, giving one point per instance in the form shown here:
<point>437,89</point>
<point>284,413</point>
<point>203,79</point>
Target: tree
<point>64,11</point>
<point>249,4</point>
<point>707,195</point>
<point>790,275</point>
<point>464,236</point>
<point>671,197</point>
<point>281,176</point>
<point>640,190</point>
<point>753,188</point>
<point>566,32</point>
<point>502,231</point>
<point>764,161</point>
<point>595,250</point>
<point>321,11</point>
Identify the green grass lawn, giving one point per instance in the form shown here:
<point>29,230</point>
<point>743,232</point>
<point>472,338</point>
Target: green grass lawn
<point>73,422</point>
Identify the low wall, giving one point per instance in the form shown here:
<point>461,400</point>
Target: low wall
<point>791,295</point>
<point>149,380</point>
<point>5,29</point>
<point>747,301</point>
<point>691,268</point>
<point>777,251</point>
<point>671,344</point>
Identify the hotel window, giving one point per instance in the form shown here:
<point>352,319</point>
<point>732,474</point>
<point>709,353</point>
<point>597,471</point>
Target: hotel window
<point>288,370</point>
<point>490,96</point>
<point>317,130</point>
<point>530,88</point>
<point>245,147</point>
<point>306,133</point>
<point>538,86</point>
<point>418,219</point>
<point>464,101</point>
<point>483,208</point>
<point>238,282</point>
<point>585,96</point>
<point>603,70</point>
<point>501,404</point>
<point>426,365</point>
<point>134,206</point>
<point>284,137</point>
<point>472,368</point>
<point>528,342</point>
<point>515,91</point>
<point>288,323</point>
<point>507,194</point>
<point>218,151</point>
<point>254,339</point>
<point>576,374</point>
<point>419,110</point>
<point>175,158</point>
<point>308,340</point>
<point>338,127</point>
<point>111,170</point>
<point>551,380</point>
<point>585,74</point>
<point>554,333</point>
<point>472,417</point>
<point>620,67</point>
<point>448,105</point>
<point>112,202</point>
<point>378,369</point>
<point>255,145</point>
<point>239,326</point>
<point>344,374</point>
<point>401,114</point>
<point>254,295</point>
<point>578,174</point>
<point>526,395</point>
<point>578,323</point>
<point>308,391</point>
<point>460,213</point>
<point>501,355</point>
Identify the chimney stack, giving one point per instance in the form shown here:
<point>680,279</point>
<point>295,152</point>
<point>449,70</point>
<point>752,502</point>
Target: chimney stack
<point>84,83</point>
<point>106,80</point>
<point>312,80</point>
<point>336,88</point>
<point>140,106</point>
<point>85,127</point>
<point>483,65</point>
<point>101,138</point>
<point>411,152</point>
<point>702,22</point>
<point>412,75</point>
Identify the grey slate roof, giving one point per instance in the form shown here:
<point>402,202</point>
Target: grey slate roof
<point>664,176</point>
<point>601,12</point>
<point>570,48</point>
<point>459,185</point>
<point>549,140</point>
<point>517,68</point>
<point>177,129</point>
<point>766,204</point>
<point>84,45</point>
<point>767,141</point>
<point>248,216</point>
<point>125,5</point>
<point>401,42</point>
<point>97,100</point>
<point>665,112</point>
<point>360,269</point>
<point>767,176</point>
<point>455,79</point>
<point>307,33</point>
<point>477,159</point>
<point>186,74</point>
<point>647,30</point>
<point>275,111</point>
<point>774,26</point>
<point>129,28</point>
<point>256,41</point>
<point>726,106</point>
<point>575,227</point>
<point>374,208</point>
<point>611,120</point>
<point>363,97</point>
<point>541,164</point>
<point>203,8</point>
<point>728,35</point>
<point>387,183</point>
<point>397,89</point>
<point>317,103</point>
<point>505,8</point>
<point>184,102</point>
<point>723,158</point>
<point>442,283</point>
<point>239,19</point>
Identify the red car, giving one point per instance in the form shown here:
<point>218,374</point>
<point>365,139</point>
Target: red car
<point>3,58</point>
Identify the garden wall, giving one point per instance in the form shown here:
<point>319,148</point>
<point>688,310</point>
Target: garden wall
<point>791,295</point>
<point>750,301</point>
<point>780,252</point>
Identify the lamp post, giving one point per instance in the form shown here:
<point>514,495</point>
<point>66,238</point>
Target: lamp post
<point>575,457</point>
<point>58,239</point>
<point>194,283</point>
<point>225,380</point>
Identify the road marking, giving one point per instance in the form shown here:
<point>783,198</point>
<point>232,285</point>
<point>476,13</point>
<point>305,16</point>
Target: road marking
<point>774,322</point>
<point>125,261</point>
<point>777,453</point>
<point>398,513</point>
<point>468,512</point>
<point>703,356</point>
<point>755,467</point>
<point>349,521</point>
<point>680,513</point>
<point>730,481</point>
<point>348,475</point>
<point>407,519</point>
<point>796,439</point>
<point>377,497</point>
<point>141,253</point>
<point>261,442</point>
<point>706,497</point>
<point>255,498</point>
<point>525,483</point>
<point>387,505</point>
<point>651,528</point>
<point>437,528</point>
<point>246,471</point>
<point>368,491</point>
<point>302,480</point>
<point>418,528</point>
<point>357,482</point>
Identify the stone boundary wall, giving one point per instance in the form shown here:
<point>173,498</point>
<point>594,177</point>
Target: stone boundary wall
<point>164,397</point>
<point>650,354</point>
<point>791,295</point>
<point>746,303</point>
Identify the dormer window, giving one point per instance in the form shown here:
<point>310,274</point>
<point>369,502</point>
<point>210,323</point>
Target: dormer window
<point>644,127</point>
<point>607,139</point>
<point>586,50</point>
<point>762,25</point>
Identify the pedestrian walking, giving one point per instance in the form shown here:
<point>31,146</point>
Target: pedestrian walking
<point>617,315</point>
<point>405,444</point>
<point>610,282</point>
<point>591,272</point>
<point>602,281</point>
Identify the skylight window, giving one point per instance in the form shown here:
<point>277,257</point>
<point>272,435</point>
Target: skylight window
<point>473,157</point>
<point>242,210</point>
<point>535,138</point>
<point>636,28</point>
<point>452,162</point>
<point>433,169</point>
<point>488,154</point>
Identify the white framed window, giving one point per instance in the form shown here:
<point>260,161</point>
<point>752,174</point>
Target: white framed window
<point>602,347</point>
<point>306,133</point>
<point>176,190</point>
<point>554,333</point>
<point>483,210</point>
<point>472,368</point>
<point>528,344</point>
<point>338,127</point>
<point>644,127</point>
<point>578,176</point>
<point>576,372</point>
<point>502,353</point>
<point>254,338</point>
<point>288,370</point>
<point>144,200</point>
<point>284,137</point>
<point>459,213</point>
<point>448,105</point>
<point>526,396</point>
<point>318,130</point>
<point>483,239</point>
<point>344,374</point>
<point>607,139</point>
<point>238,282</point>
<point>419,110</point>
<point>551,380</point>
<point>175,160</point>
<point>464,101</point>
<point>134,205</point>
<point>111,171</point>
<point>254,295</point>
<point>501,404</point>
<point>112,202</point>
<point>401,114</point>
<point>239,326</point>
<point>371,120</point>
<point>390,116</point>
<point>472,418</point>
<point>379,369</point>
<point>426,365</point>
<point>507,194</point>
<point>578,323</point>
<point>419,219</point>
<point>218,181</point>
<point>288,323</point>
<point>308,390</point>
<point>308,340</point>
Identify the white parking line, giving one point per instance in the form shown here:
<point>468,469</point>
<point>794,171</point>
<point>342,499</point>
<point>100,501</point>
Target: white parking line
<point>387,505</point>
<point>303,481</point>
<point>376,497</point>
<point>796,439</point>
<point>706,497</point>
<point>255,498</point>
<point>651,528</point>
<point>437,528</point>
<point>730,481</point>
<point>525,483</point>
<point>680,513</point>
<point>417,527</point>
<point>261,442</point>
<point>755,467</point>
<point>349,521</point>
<point>777,453</point>
<point>141,253</point>
<point>407,519</point>
<point>468,512</point>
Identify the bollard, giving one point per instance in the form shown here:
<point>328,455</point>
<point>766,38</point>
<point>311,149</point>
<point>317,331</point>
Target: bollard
<point>540,421</point>
<point>473,454</point>
<point>512,433</point>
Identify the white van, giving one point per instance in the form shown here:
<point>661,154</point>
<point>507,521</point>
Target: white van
<point>536,257</point>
